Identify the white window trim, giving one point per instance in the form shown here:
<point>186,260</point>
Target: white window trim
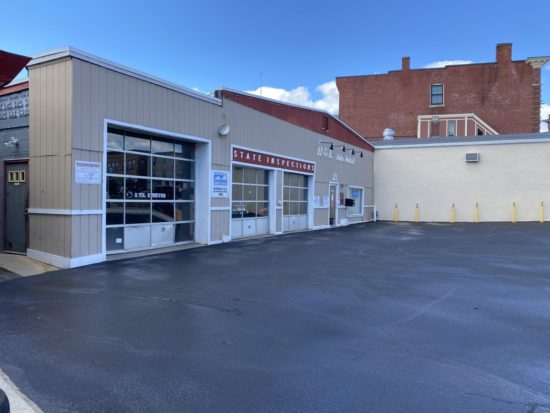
<point>443,88</point>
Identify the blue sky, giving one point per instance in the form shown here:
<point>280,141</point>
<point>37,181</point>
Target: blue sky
<point>295,44</point>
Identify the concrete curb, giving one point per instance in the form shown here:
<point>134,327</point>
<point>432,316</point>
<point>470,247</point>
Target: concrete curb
<point>19,403</point>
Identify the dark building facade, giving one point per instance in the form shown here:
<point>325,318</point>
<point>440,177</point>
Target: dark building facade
<point>463,100</point>
<point>14,154</point>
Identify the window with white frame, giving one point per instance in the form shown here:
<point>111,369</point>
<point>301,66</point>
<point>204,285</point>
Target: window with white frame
<point>436,98</point>
<point>451,128</point>
<point>356,194</point>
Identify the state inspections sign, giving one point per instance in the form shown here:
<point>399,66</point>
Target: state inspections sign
<point>220,184</point>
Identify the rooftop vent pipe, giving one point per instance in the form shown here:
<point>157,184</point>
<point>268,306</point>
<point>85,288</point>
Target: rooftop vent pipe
<point>389,133</point>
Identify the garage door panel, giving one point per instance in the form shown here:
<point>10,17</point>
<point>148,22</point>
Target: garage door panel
<point>137,237</point>
<point>250,206</point>
<point>295,202</point>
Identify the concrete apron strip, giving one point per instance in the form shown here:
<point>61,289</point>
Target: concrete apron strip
<point>23,266</point>
<point>19,403</point>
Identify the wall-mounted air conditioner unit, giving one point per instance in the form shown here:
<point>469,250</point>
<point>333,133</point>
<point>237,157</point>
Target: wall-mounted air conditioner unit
<point>472,157</point>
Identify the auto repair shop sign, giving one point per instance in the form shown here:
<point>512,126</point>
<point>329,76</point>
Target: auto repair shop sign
<point>273,161</point>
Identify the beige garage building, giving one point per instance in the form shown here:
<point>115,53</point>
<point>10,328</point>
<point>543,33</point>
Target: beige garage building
<point>484,179</point>
<point>122,161</point>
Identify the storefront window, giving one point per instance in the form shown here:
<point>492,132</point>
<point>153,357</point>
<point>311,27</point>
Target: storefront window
<point>357,195</point>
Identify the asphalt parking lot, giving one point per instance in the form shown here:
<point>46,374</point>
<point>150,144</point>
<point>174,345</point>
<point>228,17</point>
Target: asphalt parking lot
<point>369,318</point>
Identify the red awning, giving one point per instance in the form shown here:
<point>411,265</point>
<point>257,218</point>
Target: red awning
<point>10,66</point>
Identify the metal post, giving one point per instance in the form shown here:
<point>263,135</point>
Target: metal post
<point>513,212</point>
<point>453,214</point>
<point>477,212</point>
<point>417,214</point>
<point>541,212</point>
<point>395,214</point>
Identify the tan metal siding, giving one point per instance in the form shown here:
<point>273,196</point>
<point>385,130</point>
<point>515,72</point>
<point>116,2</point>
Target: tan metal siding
<point>50,172</point>
<point>90,237</point>
<point>219,225</point>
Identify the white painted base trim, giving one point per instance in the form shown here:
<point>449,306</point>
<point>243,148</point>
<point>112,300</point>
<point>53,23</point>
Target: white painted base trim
<point>219,241</point>
<point>316,227</point>
<point>65,262</point>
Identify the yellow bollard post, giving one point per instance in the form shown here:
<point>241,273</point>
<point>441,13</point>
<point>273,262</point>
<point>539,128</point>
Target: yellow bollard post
<point>513,212</point>
<point>417,214</point>
<point>395,214</point>
<point>453,214</point>
<point>541,212</point>
<point>477,212</point>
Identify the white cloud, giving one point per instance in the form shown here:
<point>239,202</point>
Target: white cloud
<point>544,112</point>
<point>302,96</point>
<point>443,63</point>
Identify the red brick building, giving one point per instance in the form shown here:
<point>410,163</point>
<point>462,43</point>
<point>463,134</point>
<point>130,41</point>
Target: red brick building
<point>465,100</point>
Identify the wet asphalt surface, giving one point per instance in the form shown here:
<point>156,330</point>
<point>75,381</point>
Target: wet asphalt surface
<point>369,318</point>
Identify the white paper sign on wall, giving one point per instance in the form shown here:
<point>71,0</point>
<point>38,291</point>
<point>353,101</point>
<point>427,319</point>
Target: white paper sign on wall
<point>220,184</point>
<point>87,172</point>
<point>316,201</point>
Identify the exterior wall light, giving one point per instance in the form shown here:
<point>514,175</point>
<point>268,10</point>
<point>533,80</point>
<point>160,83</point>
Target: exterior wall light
<point>224,129</point>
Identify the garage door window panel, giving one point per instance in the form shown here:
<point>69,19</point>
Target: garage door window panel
<point>163,212</point>
<point>184,150</point>
<point>115,162</point>
<point>184,232</point>
<point>137,143</point>
<point>115,187</point>
<point>137,213</point>
<point>162,147</point>
<point>115,213</point>
<point>115,140</point>
<point>163,190</point>
<point>185,211</point>
<point>185,170</point>
<point>163,167</point>
<point>249,193</point>
<point>185,191</point>
<point>138,165</point>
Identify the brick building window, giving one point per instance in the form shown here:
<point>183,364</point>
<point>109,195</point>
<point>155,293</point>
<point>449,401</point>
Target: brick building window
<point>451,128</point>
<point>436,95</point>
